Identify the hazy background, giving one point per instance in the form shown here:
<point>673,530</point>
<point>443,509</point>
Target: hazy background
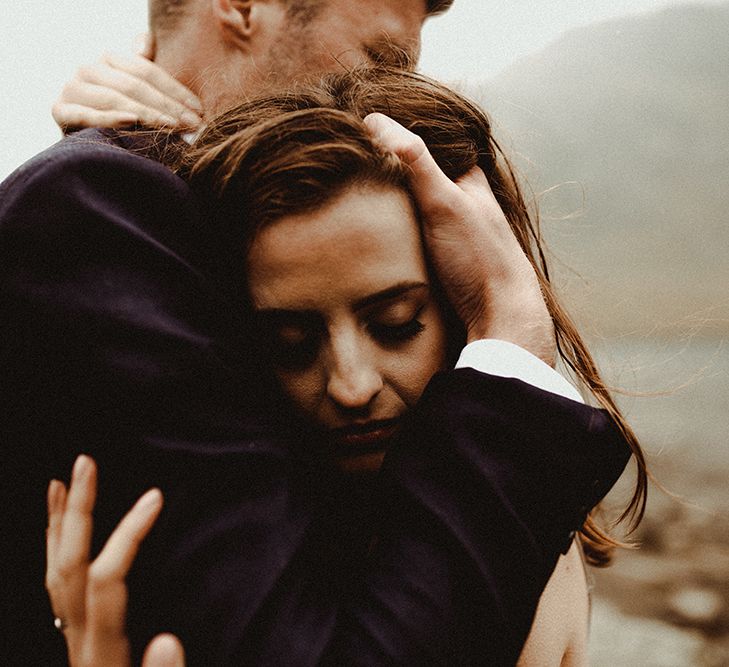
<point>618,115</point>
<point>42,43</point>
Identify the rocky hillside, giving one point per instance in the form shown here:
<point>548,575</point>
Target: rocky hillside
<point>629,121</point>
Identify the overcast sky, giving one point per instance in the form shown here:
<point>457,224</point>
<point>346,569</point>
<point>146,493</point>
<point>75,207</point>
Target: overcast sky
<point>43,41</point>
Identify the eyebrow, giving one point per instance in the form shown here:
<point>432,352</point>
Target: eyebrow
<point>387,294</point>
<point>398,290</point>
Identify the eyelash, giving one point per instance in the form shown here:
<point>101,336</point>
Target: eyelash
<point>299,356</point>
<point>399,333</point>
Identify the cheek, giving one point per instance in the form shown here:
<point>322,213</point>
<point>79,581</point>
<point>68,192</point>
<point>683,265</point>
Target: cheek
<point>304,388</point>
<point>424,358</point>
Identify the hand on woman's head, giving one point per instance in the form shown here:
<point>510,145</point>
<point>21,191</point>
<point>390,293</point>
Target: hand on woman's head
<point>485,273</point>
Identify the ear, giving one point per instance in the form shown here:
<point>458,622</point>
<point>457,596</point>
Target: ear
<point>234,18</point>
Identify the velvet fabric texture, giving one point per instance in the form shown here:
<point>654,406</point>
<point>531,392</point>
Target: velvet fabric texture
<point>125,336</point>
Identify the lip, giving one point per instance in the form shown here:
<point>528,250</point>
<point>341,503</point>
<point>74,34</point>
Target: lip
<point>363,438</point>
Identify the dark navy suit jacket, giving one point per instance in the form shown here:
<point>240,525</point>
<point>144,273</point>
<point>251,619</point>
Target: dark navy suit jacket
<point>124,336</point>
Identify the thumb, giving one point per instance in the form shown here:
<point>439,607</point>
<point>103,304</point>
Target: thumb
<point>164,651</point>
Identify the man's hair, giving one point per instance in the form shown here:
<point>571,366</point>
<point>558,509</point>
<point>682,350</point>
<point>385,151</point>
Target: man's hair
<point>164,15</point>
<point>438,6</point>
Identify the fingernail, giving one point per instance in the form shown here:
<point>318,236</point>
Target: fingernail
<point>128,118</point>
<point>194,104</point>
<point>371,120</point>
<point>164,119</point>
<point>151,499</point>
<point>377,119</point>
<point>190,119</point>
<point>81,468</point>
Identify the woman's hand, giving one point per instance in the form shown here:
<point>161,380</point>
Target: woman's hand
<point>116,92</point>
<point>486,275</point>
<point>89,600</point>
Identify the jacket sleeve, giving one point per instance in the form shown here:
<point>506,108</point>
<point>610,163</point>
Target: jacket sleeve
<point>116,343</point>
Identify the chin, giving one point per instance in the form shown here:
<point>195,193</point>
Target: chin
<point>361,464</point>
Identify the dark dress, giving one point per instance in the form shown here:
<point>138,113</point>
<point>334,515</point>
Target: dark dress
<point>124,335</point>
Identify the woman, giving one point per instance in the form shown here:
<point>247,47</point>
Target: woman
<point>351,318</point>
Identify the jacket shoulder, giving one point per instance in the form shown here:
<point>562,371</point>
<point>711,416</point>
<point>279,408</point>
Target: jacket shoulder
<point>88,171</point>
<point>87,190</point>
<point>93,156</point>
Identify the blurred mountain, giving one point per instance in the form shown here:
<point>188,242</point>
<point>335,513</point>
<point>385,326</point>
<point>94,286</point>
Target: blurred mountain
<point>623,127</point>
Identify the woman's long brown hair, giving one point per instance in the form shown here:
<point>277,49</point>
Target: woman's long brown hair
<point>292,152</point>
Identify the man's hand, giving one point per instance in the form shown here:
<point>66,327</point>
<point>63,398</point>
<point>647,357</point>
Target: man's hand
<point>486,275</point>
<point>116,92</point>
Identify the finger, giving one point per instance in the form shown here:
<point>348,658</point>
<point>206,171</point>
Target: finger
<point>474,180</point>
<point>149,72</point>
<point>432,189</point>
<point>77,520</point>
<point>132,93</point>
<point>121,548</point>
<point>75,542</point>
<point>101,97</point>
<point>502,241</point>
<point>106,596</point>
<point>475,184</point>
<point>164,651</point>
<point>56,506</point>
<point>69,116</point>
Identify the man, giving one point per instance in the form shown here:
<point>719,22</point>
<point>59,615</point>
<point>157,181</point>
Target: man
<point>226,50</point>
<point>121,338</point>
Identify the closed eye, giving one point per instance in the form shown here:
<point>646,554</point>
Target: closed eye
<point>290,340</point>
<point>394,333</point>
<point>398,334</point>
<point>389,55</point>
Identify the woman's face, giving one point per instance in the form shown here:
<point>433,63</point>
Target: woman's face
<point>345,300</point>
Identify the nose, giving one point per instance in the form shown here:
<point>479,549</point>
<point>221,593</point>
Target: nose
<point>353,379</point>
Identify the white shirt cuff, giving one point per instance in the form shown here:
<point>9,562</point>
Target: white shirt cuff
<point>499,357</point>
